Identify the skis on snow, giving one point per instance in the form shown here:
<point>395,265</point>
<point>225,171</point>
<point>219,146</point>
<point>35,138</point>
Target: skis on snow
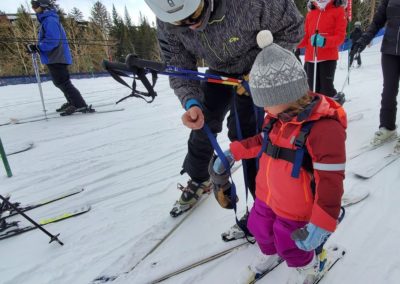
<point>8,233</point>
<point>6,212</point>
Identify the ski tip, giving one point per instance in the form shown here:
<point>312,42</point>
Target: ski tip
<point>104,279</point>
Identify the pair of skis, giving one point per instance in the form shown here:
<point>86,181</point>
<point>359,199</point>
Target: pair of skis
<point>371,160</point>
<point>59,115</point>
<point>11,229</point>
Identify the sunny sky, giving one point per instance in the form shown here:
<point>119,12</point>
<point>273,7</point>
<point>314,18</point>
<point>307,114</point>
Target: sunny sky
<point>134,7</point>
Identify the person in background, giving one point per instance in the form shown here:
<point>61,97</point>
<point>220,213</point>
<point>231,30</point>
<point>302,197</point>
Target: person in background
<point>354,36</point>
<point>223,33</point>
<point>325,31</point>
<point>290,201</point>
<point>54,52</point>
<point>387,15</point>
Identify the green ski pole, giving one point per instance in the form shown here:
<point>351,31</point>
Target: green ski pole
<point>5,161</point>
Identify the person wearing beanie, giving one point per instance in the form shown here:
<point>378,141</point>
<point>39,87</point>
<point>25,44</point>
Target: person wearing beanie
<point>290,199</point>
<point>54,52</point>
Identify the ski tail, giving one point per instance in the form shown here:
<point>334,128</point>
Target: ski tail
<point>56,218</point>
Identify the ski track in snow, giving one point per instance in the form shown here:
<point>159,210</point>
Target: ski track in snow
<point>129,163</point>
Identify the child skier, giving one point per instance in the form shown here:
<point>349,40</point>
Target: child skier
<point>291,195</point>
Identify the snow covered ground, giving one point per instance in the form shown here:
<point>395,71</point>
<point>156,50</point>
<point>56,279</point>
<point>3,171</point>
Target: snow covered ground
<point>129,163</point>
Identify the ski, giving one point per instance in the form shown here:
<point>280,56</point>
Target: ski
<point>110,278</point>
<point>57,218</point>
<point>352,199</point>
<point>20,148</point>
<point>58,115</point>
<point>37,204</point>
<point>367,148</point>
<point>335,253</point>
<point>369,170</point>
<point>200,262</point>
<point>261,275</point>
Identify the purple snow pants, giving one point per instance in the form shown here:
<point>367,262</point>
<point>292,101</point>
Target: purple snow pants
<point>272,234</point>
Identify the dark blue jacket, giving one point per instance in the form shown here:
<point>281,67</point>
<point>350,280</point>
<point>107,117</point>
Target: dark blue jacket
<point>388,13</point>
<point>53,43</point>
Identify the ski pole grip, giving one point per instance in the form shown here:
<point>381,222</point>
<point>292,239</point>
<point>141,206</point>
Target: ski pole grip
<point>115,66</point>
<point>133,61</point>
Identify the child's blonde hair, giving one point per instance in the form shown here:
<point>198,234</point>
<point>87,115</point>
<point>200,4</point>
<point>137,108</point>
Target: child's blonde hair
<point>299,105</point>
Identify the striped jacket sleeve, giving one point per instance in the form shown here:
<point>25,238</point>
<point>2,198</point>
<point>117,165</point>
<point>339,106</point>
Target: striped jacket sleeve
<point>326,145</point>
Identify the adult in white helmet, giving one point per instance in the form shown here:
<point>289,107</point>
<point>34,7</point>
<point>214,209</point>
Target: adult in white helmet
<point>223,33</point>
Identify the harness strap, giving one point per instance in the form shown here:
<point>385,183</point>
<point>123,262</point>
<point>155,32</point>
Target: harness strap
<point>301,149</point>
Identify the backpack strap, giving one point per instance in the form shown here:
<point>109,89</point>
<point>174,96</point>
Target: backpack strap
<point>299,157</point>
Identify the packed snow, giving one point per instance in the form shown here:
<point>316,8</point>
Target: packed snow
<point>129,161</point>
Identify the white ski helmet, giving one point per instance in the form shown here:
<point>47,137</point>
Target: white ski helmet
<point>171,11</point>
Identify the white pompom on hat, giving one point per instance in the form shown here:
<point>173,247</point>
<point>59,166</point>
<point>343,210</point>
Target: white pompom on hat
<point>277,77</point>
<point>264,38</point>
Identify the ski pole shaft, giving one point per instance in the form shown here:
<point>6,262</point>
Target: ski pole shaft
<point>52,237</point>
<point>37,74</point>
<point>5,161</point>
<point>315,62</point>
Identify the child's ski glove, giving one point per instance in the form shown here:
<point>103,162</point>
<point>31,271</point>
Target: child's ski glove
<point>221,185</point>
<point>218,166</point>
<point>310,237</point>
<point>318,40</point>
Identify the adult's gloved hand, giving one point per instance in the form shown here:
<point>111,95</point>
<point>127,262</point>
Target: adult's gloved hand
<point>240,89</point>
<point>32,48</point>
<point>356,48</point>
<point>318,40</point>
<point>310,237</point>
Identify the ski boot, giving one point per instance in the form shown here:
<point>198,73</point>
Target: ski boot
<point>260,265</point>
<point>340,98</point>
<point>307,274</point>
<point>383,135</point>
<point>72,109</point>
<point>63,107</point>
<point>235,232</point>
<point>191,193</point>
<point>397,147</point>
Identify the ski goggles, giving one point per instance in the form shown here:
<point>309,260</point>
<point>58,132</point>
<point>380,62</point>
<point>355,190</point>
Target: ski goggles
<point>194,18</point>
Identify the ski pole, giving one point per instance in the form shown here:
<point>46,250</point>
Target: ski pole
<point>315,62</point>
<point>37,74</point>
<point>5,161</point>
<point>52,237</point>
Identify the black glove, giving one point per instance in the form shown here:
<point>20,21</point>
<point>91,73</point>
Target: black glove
<point>357,48</point>
<point>32,48</point>
<point>221,186</point>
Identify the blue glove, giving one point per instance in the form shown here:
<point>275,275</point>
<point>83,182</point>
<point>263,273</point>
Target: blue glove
<point>218,166</point>
<point>310,237</point>
<point>318,40</point>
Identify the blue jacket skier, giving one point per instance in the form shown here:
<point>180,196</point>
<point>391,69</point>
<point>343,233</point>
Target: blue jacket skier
<point>54,52</point>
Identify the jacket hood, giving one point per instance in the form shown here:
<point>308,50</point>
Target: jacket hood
<point>323,106</point>
<point>47,14</point>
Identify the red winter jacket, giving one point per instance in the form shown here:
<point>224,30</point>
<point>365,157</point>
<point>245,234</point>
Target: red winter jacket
<point>292,198</point>
<point>331,23</point>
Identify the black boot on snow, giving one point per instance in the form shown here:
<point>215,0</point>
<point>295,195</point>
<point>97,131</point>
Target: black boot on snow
<point>63,107</point>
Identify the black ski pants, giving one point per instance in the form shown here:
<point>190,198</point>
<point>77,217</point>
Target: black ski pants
<point>61,79</point>
<point>218,101</point>
<point>324,78</point>
<point>391,76</point>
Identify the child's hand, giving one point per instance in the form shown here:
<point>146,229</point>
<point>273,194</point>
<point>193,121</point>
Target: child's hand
<point>310,237</point>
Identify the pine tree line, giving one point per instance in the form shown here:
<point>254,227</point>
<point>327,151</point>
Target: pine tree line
<point>104,36</point>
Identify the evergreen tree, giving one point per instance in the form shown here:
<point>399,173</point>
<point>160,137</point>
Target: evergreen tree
<point>101,21</point>
<point>76,14</point>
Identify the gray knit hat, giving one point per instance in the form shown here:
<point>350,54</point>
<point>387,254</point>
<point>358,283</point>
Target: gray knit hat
<point>277,77</point>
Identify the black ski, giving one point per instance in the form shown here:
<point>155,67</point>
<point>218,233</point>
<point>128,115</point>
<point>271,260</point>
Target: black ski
<point>34,205</point>
<point>57,218</point>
